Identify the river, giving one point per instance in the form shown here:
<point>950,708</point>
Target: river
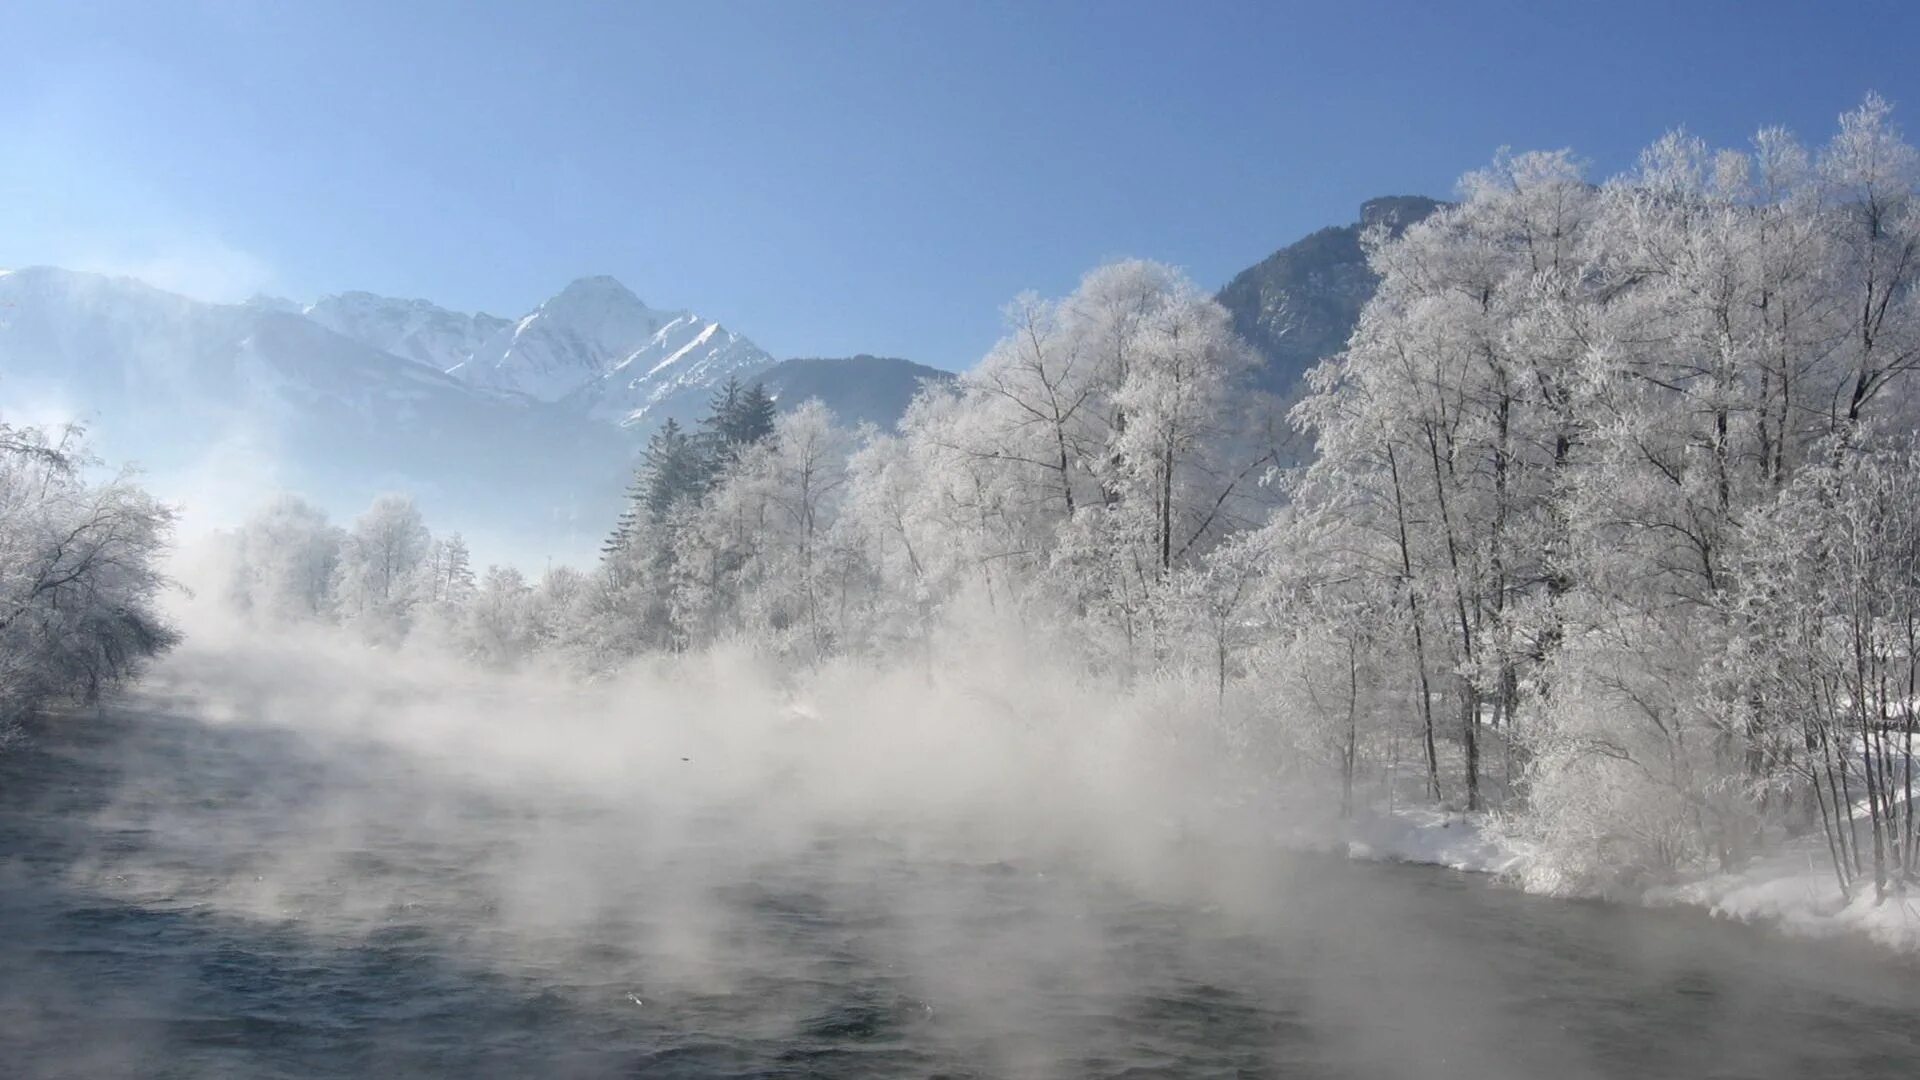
<point>180,898</point>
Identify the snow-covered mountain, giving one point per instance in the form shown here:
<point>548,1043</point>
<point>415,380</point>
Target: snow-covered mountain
<point>673,373</point>
<point>594,347</point>
<point>598,347</point>
<point>417,330</point>
<point>534,422</point>
<point>566,343</point>
<point>220,403</point>
<point>357,393</point>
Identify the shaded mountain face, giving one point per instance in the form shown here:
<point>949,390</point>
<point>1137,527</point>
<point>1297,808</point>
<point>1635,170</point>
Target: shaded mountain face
<point>1299,305</point>
<point>859,389</point>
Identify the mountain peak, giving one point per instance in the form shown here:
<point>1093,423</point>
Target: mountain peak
<point>600,288</point>
<point>596,342</point>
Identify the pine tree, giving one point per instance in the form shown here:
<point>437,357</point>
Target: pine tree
<point>629,518</point>
<point>672,469</point>
<point>755,421</point>
<point>723,409</point>
<point>737,417</point>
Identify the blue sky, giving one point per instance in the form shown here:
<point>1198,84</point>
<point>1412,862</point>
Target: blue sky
<point>830,178</point>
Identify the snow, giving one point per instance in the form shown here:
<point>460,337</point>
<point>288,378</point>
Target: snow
<point>1430,836</point>
<point>416,330</point>
<point>705,335</point>
<point>580,346</point>
<point>1794,889</point>
<point>1791,890</point>
<point>583,347</point>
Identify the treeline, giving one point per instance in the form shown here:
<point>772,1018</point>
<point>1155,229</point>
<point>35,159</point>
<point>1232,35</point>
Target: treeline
<point>1078,476</point>
<point>79,573</point>
<point>1612,525</point>
<point>387,578</point>
<point>1615,488</point>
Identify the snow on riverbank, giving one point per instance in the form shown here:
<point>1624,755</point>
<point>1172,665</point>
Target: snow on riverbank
<point>1792,890</point>
<point>1795,890</point>
<point>1431,836</point>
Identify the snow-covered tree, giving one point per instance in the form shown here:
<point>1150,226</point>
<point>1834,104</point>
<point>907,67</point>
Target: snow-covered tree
<point>287,557</point>
<point>378,579</point>
<point>78,573</point>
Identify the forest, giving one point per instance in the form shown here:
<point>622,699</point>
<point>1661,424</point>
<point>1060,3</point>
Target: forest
<point>1610,528</point>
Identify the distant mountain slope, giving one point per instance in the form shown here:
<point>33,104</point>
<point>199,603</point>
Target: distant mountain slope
<point>532,421</point>
<point>594,347</point>
<point>218,402</point>
<point>416,330</point>
<point>859,389</point>
<point>1300,304</point>
<point>530,424</point>
<point>672,372</point>
<point>568,342</point>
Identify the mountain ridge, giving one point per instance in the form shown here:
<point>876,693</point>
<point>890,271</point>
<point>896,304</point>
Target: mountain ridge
<point>1299,305</point>
<point>546,411</point>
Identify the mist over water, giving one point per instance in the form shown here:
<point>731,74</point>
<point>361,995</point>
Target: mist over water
<point>294,855</point>
<point>933,541</point>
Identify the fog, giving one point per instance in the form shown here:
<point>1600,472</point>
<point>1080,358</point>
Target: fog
<point>993,833</point>
<point>994,754</point>
<point>1035,829</point>
<point>991,865</point>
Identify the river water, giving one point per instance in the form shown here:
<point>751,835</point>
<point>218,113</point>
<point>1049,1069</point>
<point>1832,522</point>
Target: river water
<point>181,898</point>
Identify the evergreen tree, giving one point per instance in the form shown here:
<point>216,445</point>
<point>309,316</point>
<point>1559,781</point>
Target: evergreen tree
<point>737,417</point>
<point>673,468</point>
<point>722,411</point>
<point>755,421</point>
<point>629,518</point>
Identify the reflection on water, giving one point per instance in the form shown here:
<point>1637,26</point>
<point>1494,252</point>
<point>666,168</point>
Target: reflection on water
<point>178,899</point>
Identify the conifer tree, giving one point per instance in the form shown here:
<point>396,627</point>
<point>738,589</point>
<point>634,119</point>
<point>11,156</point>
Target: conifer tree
<point>737,417</point>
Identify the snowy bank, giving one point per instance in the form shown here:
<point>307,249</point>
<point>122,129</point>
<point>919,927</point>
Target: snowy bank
<point>1795,890</point>
<point>1430,836</point>
<point>1792,889</point>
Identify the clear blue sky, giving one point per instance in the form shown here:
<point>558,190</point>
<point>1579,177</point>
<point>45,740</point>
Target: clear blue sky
<point>834,177</point>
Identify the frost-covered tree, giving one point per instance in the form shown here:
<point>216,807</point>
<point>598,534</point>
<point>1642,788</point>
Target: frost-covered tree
<point>675,468</point>
<point>1829,654</point>
<point>1559,436</point>
<point>78,573</point>
<point>1452,418</point>
<point>287,556</point>
<point>500,627</point>
<point>738,416</point>
<point>789,486</point>
<point>448,572</point>
<point>1095,450</point>
<point>378,579</point>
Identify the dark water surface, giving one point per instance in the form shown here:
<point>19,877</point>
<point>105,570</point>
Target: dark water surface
<point>180,899</point>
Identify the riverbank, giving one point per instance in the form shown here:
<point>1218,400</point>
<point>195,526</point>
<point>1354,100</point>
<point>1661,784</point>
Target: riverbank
<point>1791,889</point>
